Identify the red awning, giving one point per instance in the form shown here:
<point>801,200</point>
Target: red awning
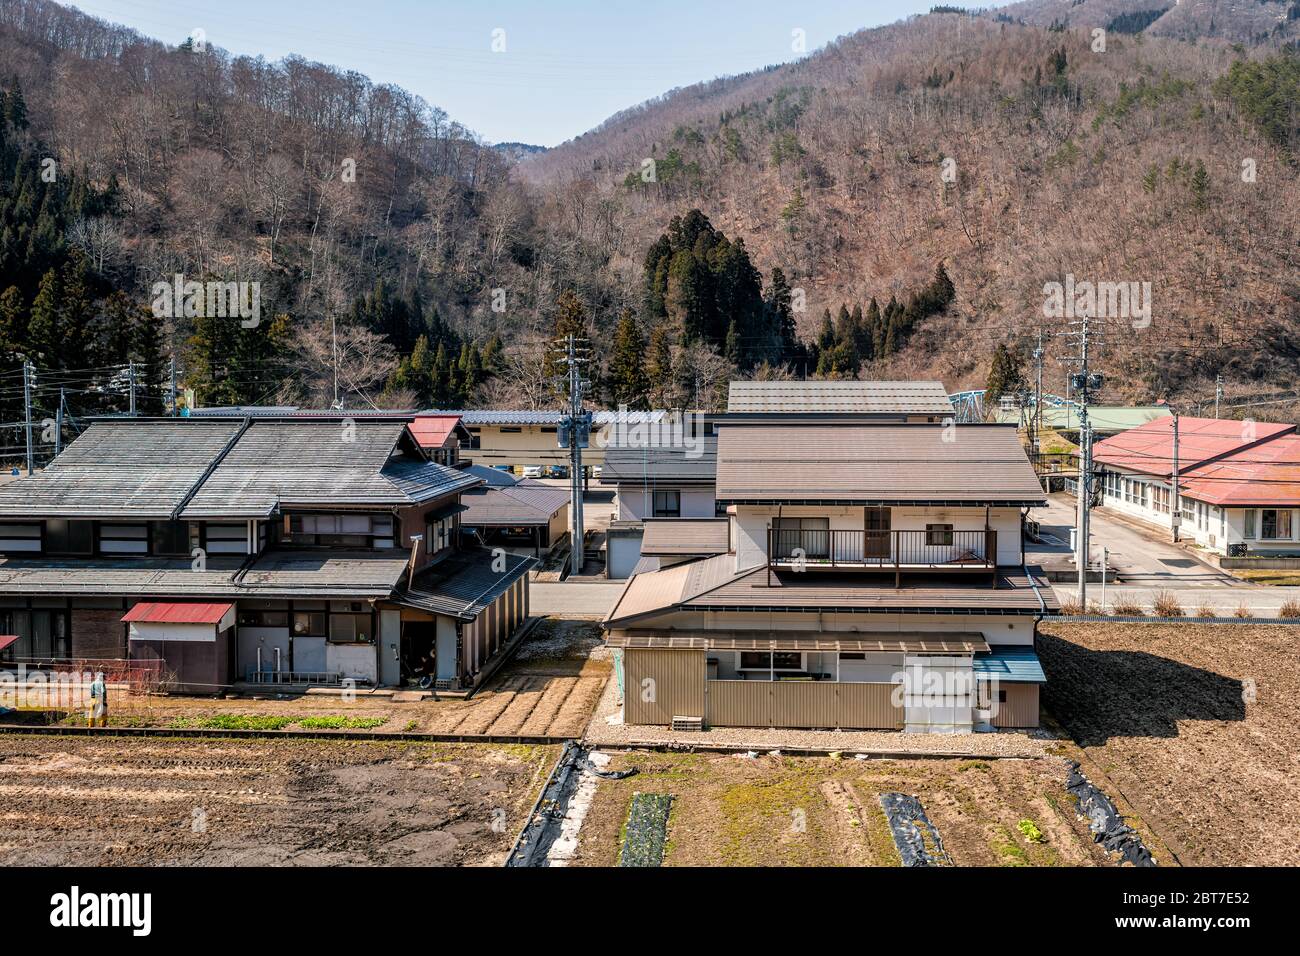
<point>6,640</point>
<point>158,612</point>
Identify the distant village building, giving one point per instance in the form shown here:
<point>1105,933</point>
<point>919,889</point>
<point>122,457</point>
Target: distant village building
<point>1238,482</point>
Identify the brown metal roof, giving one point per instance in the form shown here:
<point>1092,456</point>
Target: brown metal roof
<point>875,464</point>
<point>711,584</point>
<point>938,642</point>
<point>686,536</point>
<point>903,398</point>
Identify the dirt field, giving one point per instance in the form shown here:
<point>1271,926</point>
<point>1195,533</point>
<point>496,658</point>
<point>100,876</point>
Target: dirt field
<point>128,801</point>
<point>549,688</point>
<point>1194,724</point>
<point>786,811</point>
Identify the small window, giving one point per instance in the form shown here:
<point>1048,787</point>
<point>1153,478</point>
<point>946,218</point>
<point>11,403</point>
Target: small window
<point>766,661</point>
<point>667,504</point>
<point>254,617</point>
<point>938,535</point>
<point>351,628</point>
<point>309,624</point>
<point>1275,524</point>
<point>1250,523</point>
<point>1002,697</point>
<point>169,537</point>
<point>69,537</point>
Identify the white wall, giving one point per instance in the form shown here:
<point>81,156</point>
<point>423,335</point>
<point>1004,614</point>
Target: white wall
<point>997,629</point>
<point>154,631</point>
<point>1210,526</point>
<point>749,527</point>
<point>636,503</point>
<point>356,661</point>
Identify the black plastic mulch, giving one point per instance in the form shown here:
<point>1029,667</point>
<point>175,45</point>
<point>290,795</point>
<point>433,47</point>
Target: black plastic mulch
<point>1107,826</point>
<point>915,836</point>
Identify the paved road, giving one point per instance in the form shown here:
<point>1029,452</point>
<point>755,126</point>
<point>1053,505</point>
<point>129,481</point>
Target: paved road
<point>578,602</point>
<point>1148,565</point>
<point>1141,559</point>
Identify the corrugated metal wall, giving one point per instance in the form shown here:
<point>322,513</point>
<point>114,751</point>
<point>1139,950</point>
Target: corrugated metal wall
<point>742,703</point>
<point>662,685</point>
<point>1020,709</point>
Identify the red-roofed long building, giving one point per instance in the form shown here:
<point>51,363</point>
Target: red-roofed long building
<point>1239,481</point>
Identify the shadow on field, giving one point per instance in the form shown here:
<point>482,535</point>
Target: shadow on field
<point>1097,695</point>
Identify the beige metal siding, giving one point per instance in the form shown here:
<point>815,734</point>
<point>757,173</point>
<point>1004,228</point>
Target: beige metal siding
<point>869,706</point>
<point>661,685</point>
<point>739,703</point>
<point>1020,709</point>
<point>796,704</point>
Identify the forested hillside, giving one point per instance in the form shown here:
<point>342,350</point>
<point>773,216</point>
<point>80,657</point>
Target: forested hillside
<point>890,206</point>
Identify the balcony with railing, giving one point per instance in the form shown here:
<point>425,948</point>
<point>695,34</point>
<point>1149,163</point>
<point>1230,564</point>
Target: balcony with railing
<point>920,550</point>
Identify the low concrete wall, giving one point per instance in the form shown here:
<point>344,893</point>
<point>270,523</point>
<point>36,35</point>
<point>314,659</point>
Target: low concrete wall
<point>1259,564</point>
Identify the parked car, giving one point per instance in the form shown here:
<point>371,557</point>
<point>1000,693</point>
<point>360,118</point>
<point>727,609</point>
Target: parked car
<point>557,471</point>
<point>532,471</point>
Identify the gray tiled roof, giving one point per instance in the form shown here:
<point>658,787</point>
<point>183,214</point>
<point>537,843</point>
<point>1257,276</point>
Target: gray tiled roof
<point>228,468</point>
<point>524,503</point>
<point>273,574</point>
<point>464,583</point>
<point>119,469</point>
<point>904,398</point>
<point>875,464</point>
<point>651,463</point>
<point>305,463</point>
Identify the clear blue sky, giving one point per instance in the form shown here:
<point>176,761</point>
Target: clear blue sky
<point>567,65</point>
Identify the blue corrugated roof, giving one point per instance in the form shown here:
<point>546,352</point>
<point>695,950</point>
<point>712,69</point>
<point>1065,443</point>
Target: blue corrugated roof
<point>1015,666</point>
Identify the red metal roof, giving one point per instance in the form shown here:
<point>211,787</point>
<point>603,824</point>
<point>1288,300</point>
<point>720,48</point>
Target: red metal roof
<point>1149,448</point>
<point>1268,474</point>
<point>6,640</point>
<point>160,612</point>
<point>432,431</point>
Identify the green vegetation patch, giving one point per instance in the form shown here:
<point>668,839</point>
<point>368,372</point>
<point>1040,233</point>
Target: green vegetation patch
<point>232,722</point>
<point>336,722</point>
<point>646,830</point>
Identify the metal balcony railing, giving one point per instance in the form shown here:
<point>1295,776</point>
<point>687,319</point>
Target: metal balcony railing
<point>892,550</point>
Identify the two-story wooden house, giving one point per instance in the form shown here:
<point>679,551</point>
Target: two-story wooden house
<point>873,577</point>
<point>265,549</point>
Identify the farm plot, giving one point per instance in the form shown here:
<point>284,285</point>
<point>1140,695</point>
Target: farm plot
<point>198,802</point>
<point>730,810</point>
<point>1194,725</point>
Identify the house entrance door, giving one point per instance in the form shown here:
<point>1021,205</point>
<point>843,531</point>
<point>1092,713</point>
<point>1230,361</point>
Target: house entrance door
<point>878,524</point>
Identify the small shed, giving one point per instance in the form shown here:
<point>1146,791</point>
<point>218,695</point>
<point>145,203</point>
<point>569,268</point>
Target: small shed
<point>192,639</point>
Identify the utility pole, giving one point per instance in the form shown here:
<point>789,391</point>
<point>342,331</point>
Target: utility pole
<point>1083,382</point>
<point>1218,393</point>
<point>334,349</point>
<point>575,434</point>
<point>1038,394</point>
<point>130,374</point>
<point>29,373</point>
<point>58,424</point>
<point>1175,505</point>
<point>171,392</point>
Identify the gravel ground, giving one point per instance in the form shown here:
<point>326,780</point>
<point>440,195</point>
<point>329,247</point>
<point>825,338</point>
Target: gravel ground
<point>1004,744</point>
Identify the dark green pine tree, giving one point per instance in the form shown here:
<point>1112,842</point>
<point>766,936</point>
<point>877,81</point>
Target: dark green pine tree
<point>151,369</point>
<point>1006,375</point>
<point>628,381</point>
<point>16,106</point>
<point>44,328</point>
